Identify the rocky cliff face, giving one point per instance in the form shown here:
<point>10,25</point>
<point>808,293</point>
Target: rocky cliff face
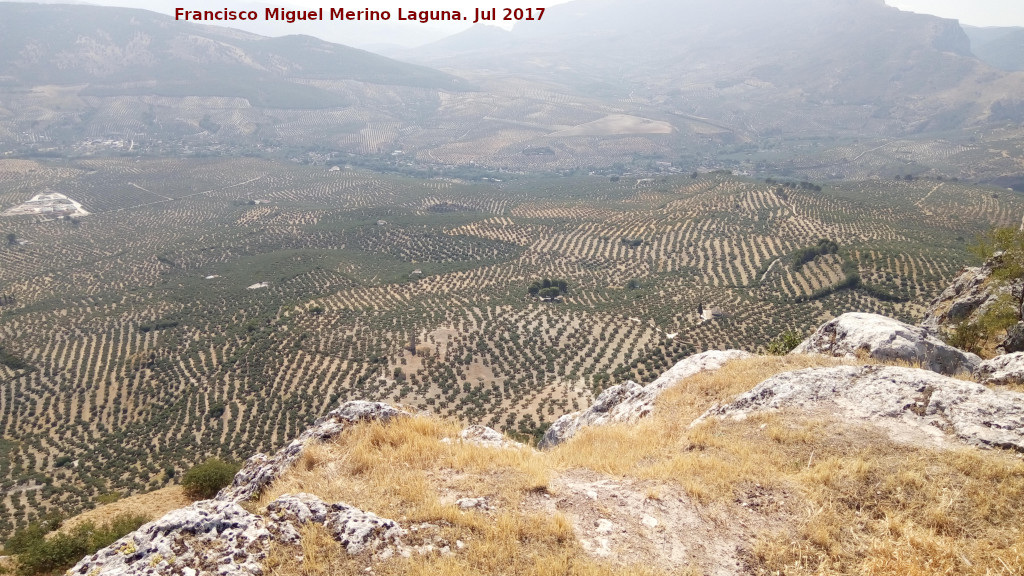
<point>961,300</point>
<point>220,536</point>
<point>260,470</point>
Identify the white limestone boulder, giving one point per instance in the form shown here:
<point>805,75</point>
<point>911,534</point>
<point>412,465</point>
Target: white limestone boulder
<point>968,292</point>
<point>885,339</point>
<point>217,537</point>
<point>894,397</point>
<point>1007,369</point>
<point>485,436</point>
<point>208,537</point>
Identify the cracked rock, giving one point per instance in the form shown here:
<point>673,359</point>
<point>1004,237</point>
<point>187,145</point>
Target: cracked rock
<point>890,396</point>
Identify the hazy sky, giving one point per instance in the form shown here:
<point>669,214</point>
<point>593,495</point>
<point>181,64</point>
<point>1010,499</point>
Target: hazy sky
<point>973,12</point>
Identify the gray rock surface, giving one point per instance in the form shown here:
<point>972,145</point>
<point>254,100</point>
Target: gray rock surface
<point>885,339</point>
<point>208,537</point>
<point>1013,340</point>
<point>471,503</point>
<point>485,436</point>
<point>894,396</point>
<point>212,537</point>
<point>220,537</point>
<point>630,402</point>
<point>358,531</point>
<point>260,470</point>
<point>969,296</point>
<point>961,299</point>
<point>1007,369</point>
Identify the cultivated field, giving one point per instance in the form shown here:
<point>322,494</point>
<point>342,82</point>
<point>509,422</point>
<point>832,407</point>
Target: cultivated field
<point>132,347</point>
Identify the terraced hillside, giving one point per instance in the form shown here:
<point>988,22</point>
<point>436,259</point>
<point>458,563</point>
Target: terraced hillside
<point>216,307</point>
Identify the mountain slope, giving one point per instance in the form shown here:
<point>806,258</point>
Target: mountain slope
<point>764,62</point>
<point>1001,48</point>
<point>125,51</point>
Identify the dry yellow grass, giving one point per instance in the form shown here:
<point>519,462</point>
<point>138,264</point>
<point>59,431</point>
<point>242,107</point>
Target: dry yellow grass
<point>843,498</point>
<point>863,503</point>
<point>404,471</point>
<point>152,504</point>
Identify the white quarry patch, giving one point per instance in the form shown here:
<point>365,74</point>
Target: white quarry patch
<point>47,204</point>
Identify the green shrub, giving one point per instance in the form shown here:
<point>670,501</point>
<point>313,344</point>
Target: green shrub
<point>111,532</point>
<point>784,343</point>
<point>13,362</point>
<point>205,480</point>
<point>56,553</point>
<point>37,554</point>
<point>216,410</point>
<point>967,336</point>
<point>29,536</point>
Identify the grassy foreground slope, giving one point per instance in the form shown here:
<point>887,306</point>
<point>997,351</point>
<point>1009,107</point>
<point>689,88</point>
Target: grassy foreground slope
<point>777,493</point>
<point>216,307</point>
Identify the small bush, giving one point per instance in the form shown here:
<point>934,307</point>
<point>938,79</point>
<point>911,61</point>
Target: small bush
<point>37,554</point>
<point>967,336</point>
<point>30,535</point>
<point>203,481</point>
<point>784,343</point>
<point>108,498</point>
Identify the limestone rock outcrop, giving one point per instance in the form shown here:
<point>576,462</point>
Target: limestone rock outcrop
<point>1007,369</point>
<point>358,531</point>
<point>967,298</point>
<point>485,436</point>
<point>961,299</point>
<point>216,537</point>
<point>260,470</point>
<point>630,401</point>
<point>886,339</point>
<point>894,396</point>
<point>208,537</point>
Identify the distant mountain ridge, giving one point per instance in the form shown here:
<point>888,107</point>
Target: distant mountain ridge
<point>1000,47</point>
<point>128,51</point>
<point>661,86</point>
<point>796,53</point>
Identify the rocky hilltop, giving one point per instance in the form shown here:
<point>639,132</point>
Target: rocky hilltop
<point>975,293</point>
<point>720,466</point>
